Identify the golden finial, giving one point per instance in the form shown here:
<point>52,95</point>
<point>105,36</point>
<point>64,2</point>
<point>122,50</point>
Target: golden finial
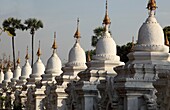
<point>77,33</point>
<point>1,65</point>
<point>18,60</point>
<point>151,5</point>
<point>54,46</point>
<point>27,56</point>
<point>39,51</point>
<point>88,56</point>
<point>166,40</point>
<point>132,48</point>
<point>106,20</point>
<point>9,63</point>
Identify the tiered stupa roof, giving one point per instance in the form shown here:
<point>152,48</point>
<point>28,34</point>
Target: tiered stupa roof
<point>54,63</point>
<point>77,55</point>
<point>106,46</point>
<point>17,71</point>
<point>37,70</point>
<point>151,36</point>
<point>26,70</point>
<point>8,75</point>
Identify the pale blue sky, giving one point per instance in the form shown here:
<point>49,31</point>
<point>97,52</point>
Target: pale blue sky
<point>60,16</point>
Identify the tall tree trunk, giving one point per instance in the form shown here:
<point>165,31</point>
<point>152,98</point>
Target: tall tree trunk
<point>13,49</point>
<point>32,51</point>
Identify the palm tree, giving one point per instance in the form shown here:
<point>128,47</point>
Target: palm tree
<point>33,25</point>
<point>10,26</point>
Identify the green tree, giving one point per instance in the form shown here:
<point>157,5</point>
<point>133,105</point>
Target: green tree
<point>123,51</point>
<point>167,32</point>
<point>98,32</point>
<point>10,25</point>
<point>33,25</point>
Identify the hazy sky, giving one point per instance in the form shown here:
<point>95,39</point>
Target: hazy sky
<point>60,15</point>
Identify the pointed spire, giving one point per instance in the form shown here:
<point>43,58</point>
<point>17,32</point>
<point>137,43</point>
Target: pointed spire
<point>39,51</point>
<point>54,46</point>
<point>88,56</point>
<point>106,20</point>
<point>77,33</point>
<point>27,56</point>
<point>151,6</point>
<point>9,63</point>
<point>132,48</point>
<point>1,66</point>
<point>18,60</point>
<point>166,40</point>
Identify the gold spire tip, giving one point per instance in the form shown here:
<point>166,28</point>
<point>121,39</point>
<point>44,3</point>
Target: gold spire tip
<point>151,5</point>
<point>18,60</point>
<point>27,56</point>
<point>88,56</point>
<point>54,46</point>
<point>77,33</point>
<point>9,63</point>
<point>1,65</point>
<point>39,51</point>
<point>132,48</point>
<point>106,20</point>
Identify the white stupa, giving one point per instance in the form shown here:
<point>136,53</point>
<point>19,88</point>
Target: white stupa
<point>106,58</point>
<point>106,46</point>
<point>76,63</point>
<point>17,74</point>
<point>77,55</point>
<point>8,75</point>
<point>77,58</point>
<point>100,68</point>
<point>150,47</point>
<point>147,61</point>
<point>151,36</point>
<point>25,72</point>
<point>37,70</point>
<point>54,65</point>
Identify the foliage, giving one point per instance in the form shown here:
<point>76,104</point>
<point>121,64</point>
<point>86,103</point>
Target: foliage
<point>10,25</point>
<point>98,32</point>
<point>33,25</point>
<point>167,32</point>
<point>92,52</point>
<point>123,51</point>
<point>18,107</point>
<point>2,98</point>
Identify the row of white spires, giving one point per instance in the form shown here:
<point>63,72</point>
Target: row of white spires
<point>105,50</point>
<point>76,58</point>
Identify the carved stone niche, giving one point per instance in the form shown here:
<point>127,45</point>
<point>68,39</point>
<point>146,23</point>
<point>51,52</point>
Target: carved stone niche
<point>162,86</point>
<point>8,101</point>
<point>72,100</point>
<point>50,100</point>
<point>109,97</point>
<point>30,102</point>
<point>17,102</point>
